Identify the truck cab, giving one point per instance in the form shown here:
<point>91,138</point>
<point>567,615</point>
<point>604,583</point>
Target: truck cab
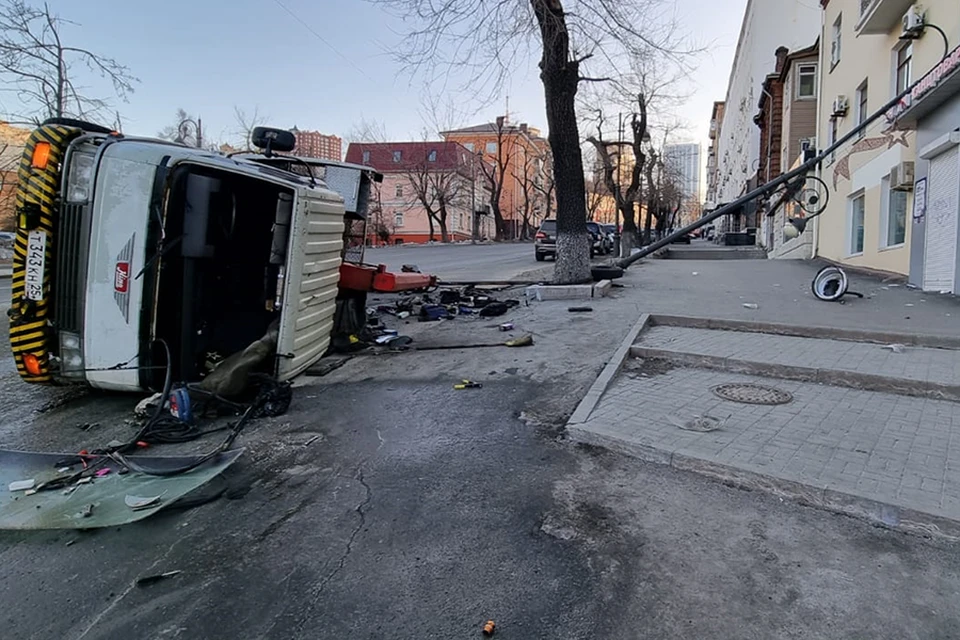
<point>136,257</point>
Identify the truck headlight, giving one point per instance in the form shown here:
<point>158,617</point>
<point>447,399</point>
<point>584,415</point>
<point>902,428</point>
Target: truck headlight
<point>80,177</point>
<point>71,354</point>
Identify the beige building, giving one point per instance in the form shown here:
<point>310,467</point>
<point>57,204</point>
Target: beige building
<point>864,63</point>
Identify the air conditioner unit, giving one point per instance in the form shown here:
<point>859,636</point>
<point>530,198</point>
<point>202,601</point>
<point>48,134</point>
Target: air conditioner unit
<point>840,107</point>
<point>913,21</point>
<point>808,143</point>
<point>901,176</point>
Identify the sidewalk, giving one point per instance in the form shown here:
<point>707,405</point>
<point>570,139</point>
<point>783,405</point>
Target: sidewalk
<point>866,432</point>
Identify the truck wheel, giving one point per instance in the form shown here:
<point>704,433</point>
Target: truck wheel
<point>79,124</point>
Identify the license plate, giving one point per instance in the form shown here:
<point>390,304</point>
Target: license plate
<point>36,258</point>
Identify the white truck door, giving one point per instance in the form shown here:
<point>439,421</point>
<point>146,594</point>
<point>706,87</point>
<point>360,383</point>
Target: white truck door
<point>310,288</point>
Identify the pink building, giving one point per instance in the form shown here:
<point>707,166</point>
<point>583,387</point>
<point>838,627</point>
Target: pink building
<point>423,178</point>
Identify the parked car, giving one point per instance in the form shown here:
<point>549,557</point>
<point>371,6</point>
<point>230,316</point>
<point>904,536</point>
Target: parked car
<point>602,244</point>
<point>545,242</point>
<point>611,231</point>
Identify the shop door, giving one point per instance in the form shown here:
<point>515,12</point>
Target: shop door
<point>943,199</point>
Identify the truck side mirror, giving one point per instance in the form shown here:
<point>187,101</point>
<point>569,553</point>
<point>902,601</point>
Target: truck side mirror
<point>272,140</point>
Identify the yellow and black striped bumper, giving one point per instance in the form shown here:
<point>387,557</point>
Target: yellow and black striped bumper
<point>37,208</point>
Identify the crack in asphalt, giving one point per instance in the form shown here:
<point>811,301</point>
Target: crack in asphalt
<point>348,549</point>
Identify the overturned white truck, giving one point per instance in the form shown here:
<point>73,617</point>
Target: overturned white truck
<point>137,258</point>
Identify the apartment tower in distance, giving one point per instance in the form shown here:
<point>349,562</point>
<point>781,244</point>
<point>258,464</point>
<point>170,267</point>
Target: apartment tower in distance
<point>313,144</point>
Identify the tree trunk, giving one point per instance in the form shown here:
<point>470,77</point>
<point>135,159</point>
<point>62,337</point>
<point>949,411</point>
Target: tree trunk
<point>628,236</point>
<point>444,236</point>
<point>498,221</point>
<point>430,222</point>
<point>561,77</point>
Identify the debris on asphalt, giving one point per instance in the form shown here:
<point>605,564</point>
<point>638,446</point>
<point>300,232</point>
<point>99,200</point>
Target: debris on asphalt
<point>22,485</point>
<point>494,309</point>
<point>895,347</point>
<point>87,511</point>
<point>750,305</point>
<point>146,580</point>
<point>311,440</point>
<point>580,309</point>
<point>696,273</point>
<point>522,341</point>
<point>410,268</point>
<point>467,384</point>
<point>327,365</point>
<point>701,424</point>
<point>506,326</point>
<point>140,502</point>
<point>489,628</point>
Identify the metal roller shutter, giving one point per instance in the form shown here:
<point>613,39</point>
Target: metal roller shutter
<point>943,198</point>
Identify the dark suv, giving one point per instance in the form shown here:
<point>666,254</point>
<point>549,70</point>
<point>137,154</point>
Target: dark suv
<point>545,242</point>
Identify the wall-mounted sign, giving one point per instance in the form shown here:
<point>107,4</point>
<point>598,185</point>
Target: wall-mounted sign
<point>925,85</point>
<point>919,199</point>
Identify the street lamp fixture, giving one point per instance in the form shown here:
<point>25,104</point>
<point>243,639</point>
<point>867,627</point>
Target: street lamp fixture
<point>183,131</point>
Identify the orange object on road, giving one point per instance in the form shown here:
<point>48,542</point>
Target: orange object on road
<point>387,282</point>
<point>489,628</point>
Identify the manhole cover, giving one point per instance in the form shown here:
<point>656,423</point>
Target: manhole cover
<point>752,393</point>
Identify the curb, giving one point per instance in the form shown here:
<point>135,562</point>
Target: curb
<point>874,511</point>
<point>599,386</point>
<point>833,377</point>
<point>806,331</point>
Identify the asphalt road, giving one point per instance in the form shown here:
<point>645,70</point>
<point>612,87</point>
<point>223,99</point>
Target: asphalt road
<point>418,511</point>
<point>4,292</point>
<point>460,262</point>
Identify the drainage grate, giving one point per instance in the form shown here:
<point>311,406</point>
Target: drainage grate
<point>747,393</point>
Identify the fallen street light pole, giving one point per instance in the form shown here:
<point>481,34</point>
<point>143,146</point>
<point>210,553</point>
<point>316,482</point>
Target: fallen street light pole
<point>767,188</point>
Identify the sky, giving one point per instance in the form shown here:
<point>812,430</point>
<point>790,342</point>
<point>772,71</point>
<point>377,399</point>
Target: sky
<point>322,65</point>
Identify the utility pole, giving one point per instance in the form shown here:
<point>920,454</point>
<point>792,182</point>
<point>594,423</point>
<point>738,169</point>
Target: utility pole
<point>616,208</point>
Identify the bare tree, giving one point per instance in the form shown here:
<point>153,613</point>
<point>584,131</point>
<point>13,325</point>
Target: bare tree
<point>39,67</point>
<point>246,122</point>
<point>437,190</point>
<point>546,186</point>
<point>185,129</point>
<point>494,171</point>
<point>625,193</point>
<point>578,41</point>
<point>526,174</point>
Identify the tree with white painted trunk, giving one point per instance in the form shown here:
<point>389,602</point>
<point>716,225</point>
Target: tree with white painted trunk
<point>578,41</point>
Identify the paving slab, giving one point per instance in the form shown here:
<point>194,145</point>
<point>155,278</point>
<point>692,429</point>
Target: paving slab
<point>892,459</point>
<point>859,364</point>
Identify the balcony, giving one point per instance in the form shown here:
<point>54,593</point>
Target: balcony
<point>881,16</point>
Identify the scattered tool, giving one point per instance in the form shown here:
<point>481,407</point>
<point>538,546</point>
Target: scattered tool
<point>580,309</point>
<point>467,384</point>
<point>144,581</point>
<point>489,628</point>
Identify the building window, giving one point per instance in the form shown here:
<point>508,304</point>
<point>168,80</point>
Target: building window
<point>894,216</point>
<point>398,218</point>
<point>468,146</point>
<point>806,81</point>
<point>904,68</point>
<point>857,209</point>
<point>835,42</point>
<point>432,156</point>
<point>455,221</point>
<point>491,147</point>
<point>832,134</point>
<point>399,190</point>
<point>862,114</point>
<point>366,157</point>
<point>397,156</point>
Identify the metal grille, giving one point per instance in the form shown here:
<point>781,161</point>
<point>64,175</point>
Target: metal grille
<point>748,393</point>
<point>68,289</point>
<point>354,236</point>
<point>940,255</point>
